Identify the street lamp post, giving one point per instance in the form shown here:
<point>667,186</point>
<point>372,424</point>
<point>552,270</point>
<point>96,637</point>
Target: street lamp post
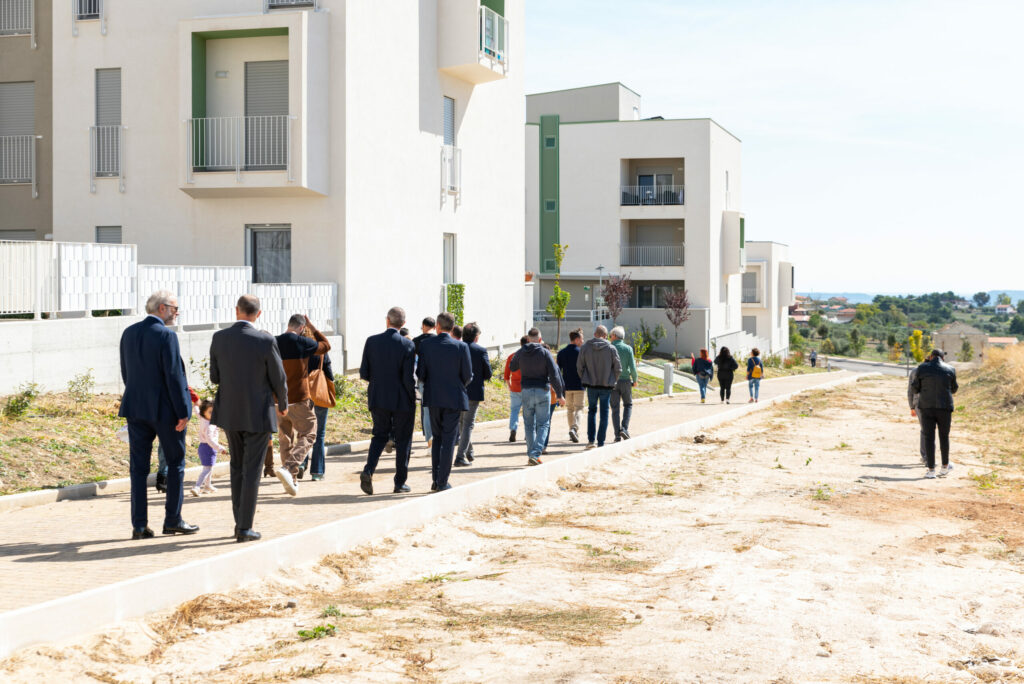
<point>600,281</point>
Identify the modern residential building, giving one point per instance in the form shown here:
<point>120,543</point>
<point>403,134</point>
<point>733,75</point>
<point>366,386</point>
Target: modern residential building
<point>656,199</point>
<point>373,145</point>
<point>26,106</point>
<point>768,294</point>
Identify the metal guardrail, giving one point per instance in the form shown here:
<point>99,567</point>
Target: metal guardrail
<point>18,160</point>
<point>654,195</point>
<point>88,10</point>
<point>18,18</point>
<point>751,296</point>
<point>106,154</point>
<point>451,170</point>
<point>598,315</point>
<point>239,143</point>
<point>651,255</point>
<point>290,4</point>
<point>494,37</point>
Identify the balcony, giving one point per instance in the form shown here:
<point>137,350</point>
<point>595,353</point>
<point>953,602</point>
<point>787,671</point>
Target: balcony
<point>239,143</point>
<point>473,41</point>
<point>651,255</point>
<point>106,154</point>
<point>18,160</point>
<point>751,296</point>
<point>451,172</point>
<point>651,195</point>
<point>18,18</point>
<point>88,10</point>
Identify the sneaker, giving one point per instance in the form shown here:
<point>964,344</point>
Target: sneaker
<point>726,401</point>
<point>316,477</point>
<point>209,488</point>
<point>590,445</point>
<point>945,470</point>
<point>511,435</point>
<point>930,475</point>
<point>545,451</point>
<point>533,462</point>
<point>286,480</point>
<point>751,400</point>
<point>573,437</point>
<point>194,491</point>
<point>624,434</point>
<point>702,400</point>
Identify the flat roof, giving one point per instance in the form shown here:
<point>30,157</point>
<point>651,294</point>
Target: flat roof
<point>598,85</point>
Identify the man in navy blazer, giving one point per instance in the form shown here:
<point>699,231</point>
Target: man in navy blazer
<point>388,361</point>
<point>446,370</point>
<point>481,367</point>
<point>156,405</point>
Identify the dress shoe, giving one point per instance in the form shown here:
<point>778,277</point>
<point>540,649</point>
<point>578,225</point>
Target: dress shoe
<point>246,535</point>
<point>460,463</point>
<point>181,528</point>
<point>624,434</point>
<point>142,533</point>
<point>302,471</point>
<point>447,486</point>
<point>512,435</point>
<point>366,483</point>
<point>161,482</point>
<point>402,489</point>
<point>433,486</point>
<point>268,472</point>
<point>470,457</point>
<point>573,437</point>
<point>287,482</point>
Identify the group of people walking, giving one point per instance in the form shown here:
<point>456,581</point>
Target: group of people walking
<point>704,371</point>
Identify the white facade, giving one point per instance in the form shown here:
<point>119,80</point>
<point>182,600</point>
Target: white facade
<point>656,199</point>
<point>767,294</point>
<point>338,152</point>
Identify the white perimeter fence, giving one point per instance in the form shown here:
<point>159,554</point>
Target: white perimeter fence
<point>69,277</point>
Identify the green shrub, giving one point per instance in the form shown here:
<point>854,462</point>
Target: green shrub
<point>18,404</point>
<point>455,294</point>
<point>81,387</point>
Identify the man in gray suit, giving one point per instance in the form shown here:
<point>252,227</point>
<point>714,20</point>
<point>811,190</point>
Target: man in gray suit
<point>246,365</point>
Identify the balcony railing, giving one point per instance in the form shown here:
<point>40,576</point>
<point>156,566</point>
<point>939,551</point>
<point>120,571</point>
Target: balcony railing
<point>239,143</point>
<point>637,195</point>
<point>494,36</point>
<point>289,4</point>
<point>17,18</point>
<point>18,160</point>
<point>87,10</point>
<point>651,255</point>
<point>751,296</point>
<point>596,315</point>
<point>451,171</point>
<point>106,154</point>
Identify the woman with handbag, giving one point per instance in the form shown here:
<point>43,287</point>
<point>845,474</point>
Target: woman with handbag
<point>321,390</point>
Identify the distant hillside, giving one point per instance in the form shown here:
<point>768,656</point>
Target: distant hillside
<point>851,297</point>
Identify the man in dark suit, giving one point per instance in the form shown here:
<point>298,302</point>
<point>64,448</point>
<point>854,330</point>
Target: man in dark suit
<point>388,360</point>
<point>481,367</point>
<point>156,404</point>
<point>446,370</point>
<point>246,365</point>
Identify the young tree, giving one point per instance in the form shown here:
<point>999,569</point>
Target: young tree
<point>981,299</point>
<point>823,330</point>
<point>559,300</point>
<point>916,345</point>
<point>828,347</point>
<point>891,340</point>
<point>856,342</point>
<point>616,293</point>
<point>1017,325</point>
<point>677,308</point>
<point>815,320</point>
<point>966,352</point>
<point>1004,299</point>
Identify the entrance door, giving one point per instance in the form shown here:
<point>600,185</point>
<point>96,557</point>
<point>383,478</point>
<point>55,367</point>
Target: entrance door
<point>646,183</point>
<point>266,115</point>
<point>269,252</point>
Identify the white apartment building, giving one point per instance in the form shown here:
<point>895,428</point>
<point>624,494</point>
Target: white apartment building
<point>767,294</point>
<point>370,144</point>
<point>656,199</point>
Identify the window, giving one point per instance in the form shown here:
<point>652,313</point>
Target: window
<point>550,205</point>
<point>549,142</point>
<point>17,131</point>
<point>106,143</point>
<point>750,294</point>
<point>269,252</point>
<point>449,258</point>
<point>750,324</point>
<point>109,235</point>
<point>17,235</point>
<point>448,112</point>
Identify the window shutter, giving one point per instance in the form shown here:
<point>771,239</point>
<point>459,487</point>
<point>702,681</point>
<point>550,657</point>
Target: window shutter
<point>449,121</point>
<point>110,235</point>
<point>266,88</point>
<point>17,108</point>
<point>18,235</point>
<point>108,97</point>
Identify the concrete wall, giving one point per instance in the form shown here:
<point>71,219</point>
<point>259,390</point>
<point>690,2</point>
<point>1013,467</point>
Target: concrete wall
<point>19,62</point>
<point>605,102</point>
<point>772,312</point>
<point>226,96</point>
<point>377,228</point>
<point>38,351</point>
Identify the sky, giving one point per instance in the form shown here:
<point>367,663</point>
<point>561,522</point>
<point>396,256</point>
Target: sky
<point>882,140</point>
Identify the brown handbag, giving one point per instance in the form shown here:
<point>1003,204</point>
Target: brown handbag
<point>321,389</point>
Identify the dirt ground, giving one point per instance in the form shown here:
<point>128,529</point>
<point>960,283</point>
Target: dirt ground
<point>798,545</point>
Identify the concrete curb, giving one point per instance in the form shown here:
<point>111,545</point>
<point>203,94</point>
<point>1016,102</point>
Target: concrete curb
<point>41,497</point>
<point>71,616</point>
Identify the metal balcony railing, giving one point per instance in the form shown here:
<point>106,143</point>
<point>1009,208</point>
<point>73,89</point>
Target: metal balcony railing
<point>239,143</point>
<point>289,4</point>
<point>651,255</point>
<point>636,195</point>
<point>106,154</point>
<point>17,18</point>
<point>18,160</point>
<point>494,36</point>
<point>751,296</point>
<point>451,171</point>
<point>87,10</point>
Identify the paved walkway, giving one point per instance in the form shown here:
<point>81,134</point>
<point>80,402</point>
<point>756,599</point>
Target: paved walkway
<point>58,549</point>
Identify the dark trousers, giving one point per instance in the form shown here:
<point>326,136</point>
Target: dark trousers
<point>467,419</point>
<point>924,452</point>
<point>597,396</point>
<point>386,423</point>
<point>725,387</point>
<point>141,434</point>
<point>931,419</point>
<point>622,392</point>
<point>247,450</point>
<point>444,423</point>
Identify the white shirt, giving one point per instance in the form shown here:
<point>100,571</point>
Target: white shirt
<point>208,434</point>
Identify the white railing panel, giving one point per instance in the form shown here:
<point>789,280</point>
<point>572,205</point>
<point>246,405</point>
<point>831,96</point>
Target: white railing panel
<point>651,195</point>
<point>494,36</point>
<point>96,276</point>
<point>29,282</point>
<point>17,158</point>
<point>279,301</point>
<point>16,17</point>
<point>451,170</point>
<point>206,294</point>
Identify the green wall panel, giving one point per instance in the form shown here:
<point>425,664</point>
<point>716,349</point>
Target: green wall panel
<point>548,192</point>
<point>496,5</point>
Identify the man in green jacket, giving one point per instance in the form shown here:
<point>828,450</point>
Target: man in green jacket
<point>623,390</point>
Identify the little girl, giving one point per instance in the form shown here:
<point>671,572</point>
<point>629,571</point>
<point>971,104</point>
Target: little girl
<point>208,449</point>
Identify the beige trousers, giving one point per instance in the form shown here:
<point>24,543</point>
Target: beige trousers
<point>296,433</point>
<point>574,408</point>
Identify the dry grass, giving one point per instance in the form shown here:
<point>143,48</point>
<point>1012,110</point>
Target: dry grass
<point>990,404</point>
<point>577,625</point>
<point>216,611</point>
